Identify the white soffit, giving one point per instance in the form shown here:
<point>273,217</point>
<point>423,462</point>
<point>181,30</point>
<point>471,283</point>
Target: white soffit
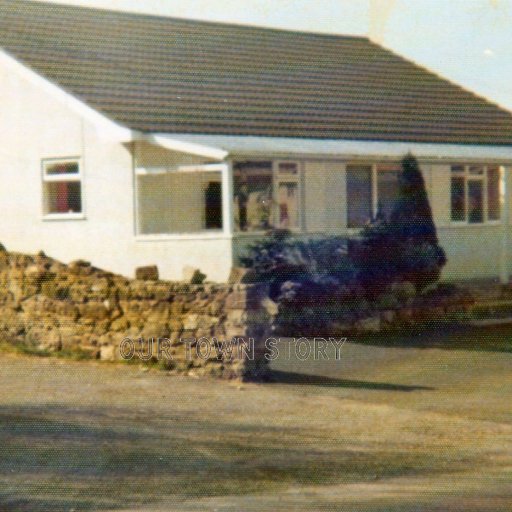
<point>287,147</point>
<point>184,146</point>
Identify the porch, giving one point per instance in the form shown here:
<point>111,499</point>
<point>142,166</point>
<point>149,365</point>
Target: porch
<point>211,200</point>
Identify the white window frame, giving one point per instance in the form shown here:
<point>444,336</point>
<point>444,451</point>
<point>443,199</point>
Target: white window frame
<point>55,178</point>
<point>220,171</point>
<point>374,186</point>
<point>483,178</point>
<point>298,178</point>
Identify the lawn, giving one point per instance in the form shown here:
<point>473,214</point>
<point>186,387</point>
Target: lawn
<point>409,423</point>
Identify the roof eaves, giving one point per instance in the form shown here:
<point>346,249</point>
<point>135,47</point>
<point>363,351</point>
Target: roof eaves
<point>167,141</point>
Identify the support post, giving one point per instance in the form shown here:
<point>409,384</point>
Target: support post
<point>227,198</point>
<point>505,223</point>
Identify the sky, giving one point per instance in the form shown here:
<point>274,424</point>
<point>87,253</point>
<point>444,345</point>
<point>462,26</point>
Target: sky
<point>466,41</point>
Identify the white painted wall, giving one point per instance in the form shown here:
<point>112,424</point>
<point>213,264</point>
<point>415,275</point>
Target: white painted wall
<point>315,195</point>
<point>33,126</point>
<point>336,197</point>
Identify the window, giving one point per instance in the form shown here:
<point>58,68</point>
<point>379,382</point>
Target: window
<point>62,188</point>
<point>177,202</point>
<point>287,195</point>
<point>252,187</point>
<point>493,193</point>
<point>475,193</point>
<point>371,192</point>
<point>387,189</point>
<point>475,202</point>
<point>359,195</point>
<point>458,199</point>
<point>266,195</point>
<point>213,205</point>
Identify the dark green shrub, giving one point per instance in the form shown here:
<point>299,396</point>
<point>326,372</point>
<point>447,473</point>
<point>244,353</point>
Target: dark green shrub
<point>309,279</point>
<point>274,259</point>
<point>411,217</point>
<point>279,258</point>
<point>404,247</point>
<point>376,258</point>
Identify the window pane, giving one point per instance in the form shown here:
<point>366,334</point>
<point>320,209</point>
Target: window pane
<point>213,205</point>
<point>290,168</point>
<point>476,170</point>
<point>493,193</point>
<point>387,189</point>
<point>288,203</point>
<point>475,201</point>
<point>458,200</point>
<point>179,202</point>
<point>63,197</point>
<point>359,195</point>
<point>62,168</point>
<point>458,168</point>
<point>252,184</point>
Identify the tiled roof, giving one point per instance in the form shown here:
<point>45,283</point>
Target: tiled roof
<point>167,75</point>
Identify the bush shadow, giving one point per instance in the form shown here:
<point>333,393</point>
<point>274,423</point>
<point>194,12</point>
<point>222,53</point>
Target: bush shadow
<point>442,336</point>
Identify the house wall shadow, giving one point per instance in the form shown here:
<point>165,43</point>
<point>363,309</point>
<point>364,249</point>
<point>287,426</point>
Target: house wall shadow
<point>283,377</point>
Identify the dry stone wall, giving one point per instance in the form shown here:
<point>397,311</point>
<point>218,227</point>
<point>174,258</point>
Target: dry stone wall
<point>52,306</point>
<point>205,329</point>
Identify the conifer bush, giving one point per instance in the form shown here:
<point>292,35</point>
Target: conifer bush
<point>404,247</point>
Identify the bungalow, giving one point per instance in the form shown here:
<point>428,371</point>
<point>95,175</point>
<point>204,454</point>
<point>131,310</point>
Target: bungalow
<point>129,139</point>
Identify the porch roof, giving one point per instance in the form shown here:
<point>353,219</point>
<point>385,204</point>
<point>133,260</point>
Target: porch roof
<point>284,147</point>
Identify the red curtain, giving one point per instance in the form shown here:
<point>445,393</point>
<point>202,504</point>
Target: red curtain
<point>62,197</point>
